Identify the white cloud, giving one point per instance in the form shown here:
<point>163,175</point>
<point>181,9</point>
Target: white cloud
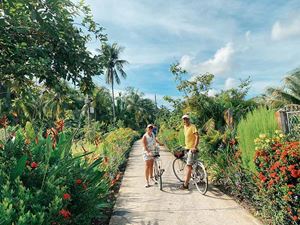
<point>283,30</point>
<point>218,65</point>
<point>231,83</point>
<point>212,93</point>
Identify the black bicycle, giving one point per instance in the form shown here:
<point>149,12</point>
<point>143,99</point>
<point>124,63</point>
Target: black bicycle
<point>158,170</point>
<point>199,174</point>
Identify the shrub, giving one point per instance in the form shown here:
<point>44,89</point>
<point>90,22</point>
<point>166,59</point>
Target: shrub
<point>41,183</point>
<point>259,121</point>
<point>170,138</point>
<point>278,165</point>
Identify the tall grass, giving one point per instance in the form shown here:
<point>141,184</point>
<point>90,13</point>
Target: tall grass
<point>260,121</point>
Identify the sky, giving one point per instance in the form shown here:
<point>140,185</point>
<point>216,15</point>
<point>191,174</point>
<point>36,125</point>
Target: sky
<point>231,39</point>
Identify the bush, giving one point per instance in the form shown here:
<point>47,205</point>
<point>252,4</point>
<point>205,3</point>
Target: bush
<point>259,121</point>
<point>170,138</point>
<point>41,183</point>
<point>278,165</point>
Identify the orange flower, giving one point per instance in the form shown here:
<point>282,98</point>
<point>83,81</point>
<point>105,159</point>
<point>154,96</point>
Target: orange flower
<point>290,193</point>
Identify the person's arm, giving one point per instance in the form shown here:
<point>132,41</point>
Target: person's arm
<point>195,132</point>
<point>196,142</point>
<point>157,141</point>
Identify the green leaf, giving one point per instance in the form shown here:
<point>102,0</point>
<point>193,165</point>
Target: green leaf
<point>18,170</point>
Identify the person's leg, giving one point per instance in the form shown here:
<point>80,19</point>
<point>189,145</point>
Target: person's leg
<point>147,172</point>
<point>151,167</point>
<point>188,175</point>
<point>191,157</point>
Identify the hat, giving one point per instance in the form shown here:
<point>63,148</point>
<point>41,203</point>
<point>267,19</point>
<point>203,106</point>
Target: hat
<point>185,116</point>
<point>150,125</point>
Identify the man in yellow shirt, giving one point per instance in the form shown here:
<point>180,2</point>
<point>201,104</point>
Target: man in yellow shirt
<point>191,137</point>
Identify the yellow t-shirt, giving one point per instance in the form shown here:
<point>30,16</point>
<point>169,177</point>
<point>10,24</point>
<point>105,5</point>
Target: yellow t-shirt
<point>189,135</point>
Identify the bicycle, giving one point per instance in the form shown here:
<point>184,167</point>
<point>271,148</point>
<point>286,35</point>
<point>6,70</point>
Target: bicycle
<point>158,170</point>
<point>199,174</point>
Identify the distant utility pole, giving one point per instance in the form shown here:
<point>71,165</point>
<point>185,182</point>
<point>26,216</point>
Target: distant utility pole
<point>155,100</point>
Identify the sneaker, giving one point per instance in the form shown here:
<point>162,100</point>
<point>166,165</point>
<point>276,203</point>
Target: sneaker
<point>147,185</point>
<point>183,187</point>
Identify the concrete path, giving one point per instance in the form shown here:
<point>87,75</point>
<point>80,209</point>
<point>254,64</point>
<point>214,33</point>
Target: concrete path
<point>150,206</point>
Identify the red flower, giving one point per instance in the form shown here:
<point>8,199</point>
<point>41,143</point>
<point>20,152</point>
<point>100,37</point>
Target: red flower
<point>34,165</point>
<point>290,193</point>
<point>84,186</point>
<point>66,196</point>
<point>273,175</point>
<point>283,168</point>
<point>65,213</point>
<point>275,166</point>
<point>112,183</point>
<point>283,154</point>
<point>262,177</point>
<point>295,173</point>
<point>78,181</point>
<point>291,167</point>
<point>271,182</point>
<point>278,152</point>
<point>291,185</point>
<point>295,218</point>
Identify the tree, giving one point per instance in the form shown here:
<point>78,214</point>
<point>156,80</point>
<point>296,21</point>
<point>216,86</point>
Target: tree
<point>40,41</point>
<point>289,93</point>
<point>113,67</point>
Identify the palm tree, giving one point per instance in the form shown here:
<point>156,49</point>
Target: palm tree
<point>289,93</point>
<point>113,67</point>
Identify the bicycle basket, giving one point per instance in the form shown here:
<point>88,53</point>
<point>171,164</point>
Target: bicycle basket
<point>178,153</point>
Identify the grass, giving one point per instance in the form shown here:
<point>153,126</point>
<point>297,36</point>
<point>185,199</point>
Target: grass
<point>260,121</point>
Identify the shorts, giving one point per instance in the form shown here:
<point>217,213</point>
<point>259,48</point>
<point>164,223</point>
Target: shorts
<point>191,157</point>
<point>147,157</point>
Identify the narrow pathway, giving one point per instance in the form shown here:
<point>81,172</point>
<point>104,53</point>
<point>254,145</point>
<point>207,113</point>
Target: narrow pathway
<point>150,206</point>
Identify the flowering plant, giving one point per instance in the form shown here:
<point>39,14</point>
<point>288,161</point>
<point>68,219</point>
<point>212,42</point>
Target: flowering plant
<point>278,165</point>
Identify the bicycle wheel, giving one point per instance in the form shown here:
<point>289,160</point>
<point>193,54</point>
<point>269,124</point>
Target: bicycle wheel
<point>200,178</point>
<point>178,169</point>
<point>160,182</point>
<point>155,171</point>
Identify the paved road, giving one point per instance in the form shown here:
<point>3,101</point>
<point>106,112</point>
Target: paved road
<point>150,206</point>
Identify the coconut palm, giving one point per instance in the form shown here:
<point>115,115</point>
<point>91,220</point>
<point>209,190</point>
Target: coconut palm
<point>289,93</point>
<point>113,66</point>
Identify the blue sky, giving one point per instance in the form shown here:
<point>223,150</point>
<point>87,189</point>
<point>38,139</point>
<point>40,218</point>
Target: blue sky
<point>229,38</point>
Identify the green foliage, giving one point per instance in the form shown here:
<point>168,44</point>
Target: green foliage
<point>39,40</point>
<point>260,121</point>
<point>287,94</point>
<point>42,183</point>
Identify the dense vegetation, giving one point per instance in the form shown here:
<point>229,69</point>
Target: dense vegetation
<point>64,140</point>
<point>246,154</point>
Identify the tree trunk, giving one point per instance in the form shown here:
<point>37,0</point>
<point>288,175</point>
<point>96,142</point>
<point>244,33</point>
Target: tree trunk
<point>113,100</point>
